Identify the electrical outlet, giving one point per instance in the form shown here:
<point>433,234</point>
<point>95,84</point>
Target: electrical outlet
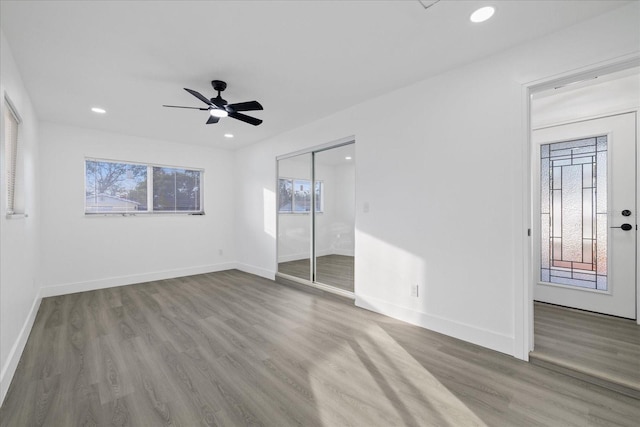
<point>414,291</point>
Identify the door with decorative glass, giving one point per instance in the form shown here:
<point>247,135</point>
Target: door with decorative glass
<point>586,226</point>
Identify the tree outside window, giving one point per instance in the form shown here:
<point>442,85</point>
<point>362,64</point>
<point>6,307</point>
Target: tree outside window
<point>117,187</point>
<point>294,195</point>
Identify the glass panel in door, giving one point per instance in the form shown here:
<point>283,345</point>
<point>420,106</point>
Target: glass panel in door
<point>294,216</point>
<point>334,221</point>
<point>574,213</point>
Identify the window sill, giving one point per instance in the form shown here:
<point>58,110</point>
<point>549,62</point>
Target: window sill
<point>299,213</point>
<point>127,214</point>
<point>17,216</point>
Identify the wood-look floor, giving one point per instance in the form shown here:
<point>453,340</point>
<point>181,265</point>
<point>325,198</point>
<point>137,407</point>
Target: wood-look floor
<point>604,347</point>
<point>332,270</point>
<point>234,349</point>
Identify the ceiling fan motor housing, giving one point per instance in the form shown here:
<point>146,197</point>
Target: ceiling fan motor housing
<point>218,85</point>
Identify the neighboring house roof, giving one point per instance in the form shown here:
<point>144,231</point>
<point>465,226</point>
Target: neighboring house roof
<point>102,197</point>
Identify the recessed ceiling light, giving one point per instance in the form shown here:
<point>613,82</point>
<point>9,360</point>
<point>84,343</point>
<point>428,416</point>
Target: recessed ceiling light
<point>228,135</point>
<point>216,112</point>
<point>347,158</point>
<point>482,14</point>
<point>98,110</point>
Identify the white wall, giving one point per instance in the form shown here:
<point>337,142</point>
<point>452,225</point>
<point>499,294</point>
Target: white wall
<point>18,236</point>
<point>443,176</point>
<point>81,252</point>
<point>342,229</point>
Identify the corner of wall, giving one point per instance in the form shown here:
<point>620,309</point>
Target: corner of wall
<point>267,274</point>
<point>482,337</point>
<point>10,366</point>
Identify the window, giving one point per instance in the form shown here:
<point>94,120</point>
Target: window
<point>118,187</point>
<point>176,189</point>
<point>11,127</point>
<point>573,211</point>
<point>294,195</point>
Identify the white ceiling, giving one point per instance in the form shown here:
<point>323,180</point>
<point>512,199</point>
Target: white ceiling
<point>302,60</point>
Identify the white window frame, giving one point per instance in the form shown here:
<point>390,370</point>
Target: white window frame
<point>150,210</point>
<point>313,194</point>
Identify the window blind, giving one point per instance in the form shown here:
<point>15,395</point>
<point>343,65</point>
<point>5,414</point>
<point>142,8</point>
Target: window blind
<point>11,154</point>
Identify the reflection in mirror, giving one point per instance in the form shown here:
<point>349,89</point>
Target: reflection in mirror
<point>335,216</point>
<point>294,220</point>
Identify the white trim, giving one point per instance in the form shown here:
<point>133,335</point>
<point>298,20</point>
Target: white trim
<point>351,139</point>
<point>523,292</point>
<point>110,282</point>
<point>585,73</point>
<point>637,217</point>
<point>589,118</point>
<point>10,366</point>
<point>128,162</point>
<point>465,332</point>
<point>524,323</point>
<point>258,271</point>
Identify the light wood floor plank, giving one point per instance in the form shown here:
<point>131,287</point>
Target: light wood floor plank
<point>603,347</point>
<point>232,349</point>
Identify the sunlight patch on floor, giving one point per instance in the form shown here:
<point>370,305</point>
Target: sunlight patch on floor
<point>387,386</point>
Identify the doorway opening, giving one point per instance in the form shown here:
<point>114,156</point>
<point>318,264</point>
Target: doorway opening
<point>584,246</point>
<point>316,217</point>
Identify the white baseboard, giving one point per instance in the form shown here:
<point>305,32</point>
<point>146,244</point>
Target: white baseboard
<point>296,257</point>
<point>262,272</point>
<point>110,282</point>
<point>469,333</point>
<point>10,366</point>
<point>343,252</point>
<point>293,257</point>
<point>334,251</point>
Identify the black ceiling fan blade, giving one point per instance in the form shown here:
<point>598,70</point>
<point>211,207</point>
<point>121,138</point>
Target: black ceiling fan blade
<point>198,95</point>
<point>213,119</point>
<point>180,106</point>
<point>245,118</point>
<point>245,106</point>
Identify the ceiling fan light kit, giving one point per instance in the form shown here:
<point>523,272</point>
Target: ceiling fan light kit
<point>219,108</point>
<point>215,112</point>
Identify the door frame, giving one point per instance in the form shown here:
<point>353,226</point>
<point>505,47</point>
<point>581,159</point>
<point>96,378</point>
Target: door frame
<point>523,307</point>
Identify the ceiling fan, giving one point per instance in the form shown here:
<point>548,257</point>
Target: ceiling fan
<point>218,107</point>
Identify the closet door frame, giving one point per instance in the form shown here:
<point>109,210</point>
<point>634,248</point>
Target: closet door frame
<point>312,279</point>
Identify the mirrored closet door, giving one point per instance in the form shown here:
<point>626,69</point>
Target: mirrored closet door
<point>294,216</point>
<point>316,217</point>
<point>335,216</point>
